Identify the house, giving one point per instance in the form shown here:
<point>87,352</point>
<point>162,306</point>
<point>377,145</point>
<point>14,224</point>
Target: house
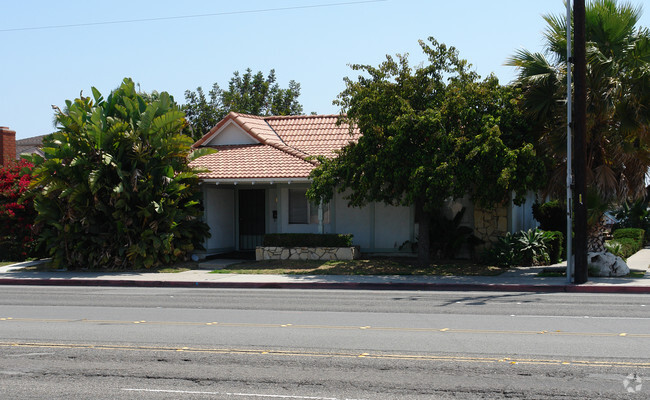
<point>12,149</point>
<point>31,145</point>
<point>256,183</point>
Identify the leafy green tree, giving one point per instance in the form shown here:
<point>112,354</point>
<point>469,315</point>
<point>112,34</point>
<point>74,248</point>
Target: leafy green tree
<point>430,133</point>
<point>114,189</point>
<point>202,112</point>
<point>248,93</point>
<point>618,94</point>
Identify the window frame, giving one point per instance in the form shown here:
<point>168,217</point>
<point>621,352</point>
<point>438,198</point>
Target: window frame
<point>311,214</point>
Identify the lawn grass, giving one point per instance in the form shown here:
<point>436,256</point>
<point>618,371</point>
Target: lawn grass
<point>5,263</point>
<point>164,269</point>
<point>176,268</point>
<point>373,266</point>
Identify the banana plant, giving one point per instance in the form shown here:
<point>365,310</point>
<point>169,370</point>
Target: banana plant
<point>114,189</point>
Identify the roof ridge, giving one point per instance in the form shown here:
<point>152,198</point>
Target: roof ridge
<point>292,151</point>
<point>274,117</point>
<point>282,145</point>
<point>276,133</point>
<point>33,138</point>
<point>236,145</point>
<point>237,114</point>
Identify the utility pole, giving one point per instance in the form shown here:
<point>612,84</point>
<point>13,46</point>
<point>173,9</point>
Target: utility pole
<point>569,149</point>
<point>580,153</point>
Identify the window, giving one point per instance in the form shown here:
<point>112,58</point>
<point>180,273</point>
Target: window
<point>302,211</point>
<point>298,207</point>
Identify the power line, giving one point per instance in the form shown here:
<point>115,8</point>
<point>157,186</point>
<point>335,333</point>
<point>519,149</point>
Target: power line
<point>130,21</point>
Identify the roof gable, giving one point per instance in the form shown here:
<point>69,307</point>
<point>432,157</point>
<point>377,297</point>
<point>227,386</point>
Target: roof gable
<point>255,126</point>
<point>230,134</point>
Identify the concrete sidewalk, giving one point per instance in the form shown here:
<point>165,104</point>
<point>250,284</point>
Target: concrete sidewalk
<point>519,279</point>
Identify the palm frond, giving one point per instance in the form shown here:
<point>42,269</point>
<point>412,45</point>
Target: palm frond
<point>200,152</point>
<point>605,179</point>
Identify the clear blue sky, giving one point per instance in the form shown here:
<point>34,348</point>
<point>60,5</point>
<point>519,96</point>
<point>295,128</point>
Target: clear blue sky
<point>312,45</point>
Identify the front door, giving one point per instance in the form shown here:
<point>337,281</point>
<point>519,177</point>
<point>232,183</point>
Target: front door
<point>252,218</point>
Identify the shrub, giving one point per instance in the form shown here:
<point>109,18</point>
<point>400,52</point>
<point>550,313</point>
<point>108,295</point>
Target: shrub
<point>307,240</point>
<point>531,244</point>
<point>448,236</point>
<point>626,242</point>
<point>115,189</point>
<point>503,252</point>
<point>16,214</point>
<point>635,215</point>
<point>623,247</point>
<point>632,233</point>
<point>555,242</point>
<point>551,216</point>
<point>522,248</point>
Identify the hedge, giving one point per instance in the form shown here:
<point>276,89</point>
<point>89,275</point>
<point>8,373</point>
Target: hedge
<point>551,216</point>
<point>630,233</point>
<point>307,240</point>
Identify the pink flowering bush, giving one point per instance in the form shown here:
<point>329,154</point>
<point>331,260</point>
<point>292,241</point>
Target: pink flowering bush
<point>16,214</point>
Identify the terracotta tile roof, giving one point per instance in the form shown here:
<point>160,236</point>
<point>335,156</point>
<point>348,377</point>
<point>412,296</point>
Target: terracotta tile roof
<point>285,144</point>
<point>313,134</point>
<point>252,161</point>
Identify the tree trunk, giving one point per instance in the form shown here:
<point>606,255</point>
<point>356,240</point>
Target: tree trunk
<point>423,218</point>
<point>596,237</point>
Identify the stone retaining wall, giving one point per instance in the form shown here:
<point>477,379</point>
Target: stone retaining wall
<point>490,224</point>
<point>307,253</point>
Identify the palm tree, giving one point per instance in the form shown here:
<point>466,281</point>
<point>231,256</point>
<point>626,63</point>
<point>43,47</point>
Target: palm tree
<point>618,99</point>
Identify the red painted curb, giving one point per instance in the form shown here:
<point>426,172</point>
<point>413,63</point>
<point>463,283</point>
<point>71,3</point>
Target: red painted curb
<point>336,285</point>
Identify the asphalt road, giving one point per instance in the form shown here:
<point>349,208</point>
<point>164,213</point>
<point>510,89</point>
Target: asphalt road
<point>151,343</point>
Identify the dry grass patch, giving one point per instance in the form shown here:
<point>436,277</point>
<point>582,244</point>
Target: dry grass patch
<point>166,269</point>
<point>373,266</point>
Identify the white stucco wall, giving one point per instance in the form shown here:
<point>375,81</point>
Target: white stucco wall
<point>231,134</point>
<point>392,226</point>
<point>354,220</point>
<point>521,217</point>
<point>220,216</point>
<point>376,227</point>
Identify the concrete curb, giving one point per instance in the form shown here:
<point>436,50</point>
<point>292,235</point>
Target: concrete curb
<point>336,285</point>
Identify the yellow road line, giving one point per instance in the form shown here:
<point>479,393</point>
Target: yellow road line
<point>296,353</point>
